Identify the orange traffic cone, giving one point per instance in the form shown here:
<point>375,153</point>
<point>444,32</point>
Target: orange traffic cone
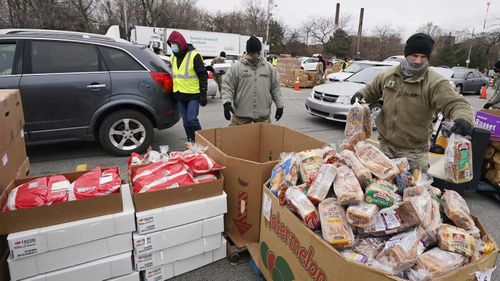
<point>483,93</point>
<point>297,84</point>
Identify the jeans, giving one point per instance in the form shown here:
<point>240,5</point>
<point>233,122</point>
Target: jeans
<point>189,113</point>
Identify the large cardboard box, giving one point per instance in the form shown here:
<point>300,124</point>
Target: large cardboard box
<point>289,249</point>
<point>25,219</point>
<point>11,117</point>
<point>70,256</point>
<point>24,170</point>
<point>40,240</point>
<point>11,159</point>
<point>249,153</point>
<point>103,269</point>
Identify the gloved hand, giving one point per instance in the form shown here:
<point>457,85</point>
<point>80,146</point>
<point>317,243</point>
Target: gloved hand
<point>228,109</point>
<point>487,106</point>
<point>279,113</point>
<point>462,127</point>
<point>358,96</point>
<point>203,98</point>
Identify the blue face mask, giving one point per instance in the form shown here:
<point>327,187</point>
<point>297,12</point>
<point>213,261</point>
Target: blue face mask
<point>175,48</point>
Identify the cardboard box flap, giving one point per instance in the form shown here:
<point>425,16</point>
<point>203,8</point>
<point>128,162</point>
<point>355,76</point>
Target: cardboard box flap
<point>271,142</point>
<point>296,141</point>
<point>239,141</point>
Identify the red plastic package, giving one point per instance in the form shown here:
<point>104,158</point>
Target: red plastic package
<point>302,206</point>
<point>200,163</point>
<point>27,195</point>
<point>96,183</point>
<point>58,189</point>
<point>151,169</point>
<point>206,178</point>
<point>164,179</point>
<point>134,160</point>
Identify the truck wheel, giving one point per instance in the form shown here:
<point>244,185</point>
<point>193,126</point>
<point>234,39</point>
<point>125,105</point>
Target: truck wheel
<point>125,131</point>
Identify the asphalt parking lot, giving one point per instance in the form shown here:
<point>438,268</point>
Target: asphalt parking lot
<point>63,157</point>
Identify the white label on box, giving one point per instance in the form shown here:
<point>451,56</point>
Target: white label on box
<point>105,179</point>
<point>143,245</point>
<point>485,275</point>
<point>5,159</point>
<point>154,274</point>
<point>24,248</point>
<point>266,207</point>
<point>144,261</point>
<point>146,224</point>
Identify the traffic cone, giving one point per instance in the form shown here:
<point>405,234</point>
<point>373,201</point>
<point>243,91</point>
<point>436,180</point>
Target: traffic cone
<point>297,84</point>
<point>483,93</point>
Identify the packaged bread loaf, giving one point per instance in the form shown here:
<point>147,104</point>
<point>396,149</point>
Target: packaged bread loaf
<point>302,206</point>
<point>346,186</point>
<point>402,250</point>
<point>456,210</point>
<point>362,214</point>
<point>458,159</point>
<point>457,240</point>
<point>402,164</point>
<point>358,120</point>
<point>430,235</point>
<point>310,161</point>
<point>369,247</point>
<point>376,161</point>
<point>362,173</point>
<point>392,220</point>
<point>334,226</point>
<point>382,194</point>
<point>354,257</point>
<point>421,198</point>
<point>439,262</point>
<point>321,184</point>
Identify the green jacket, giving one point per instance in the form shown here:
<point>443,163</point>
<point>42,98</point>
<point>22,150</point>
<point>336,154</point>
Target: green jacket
<point>495,99</point>
<point>250,89</point>
<point>410,105</point>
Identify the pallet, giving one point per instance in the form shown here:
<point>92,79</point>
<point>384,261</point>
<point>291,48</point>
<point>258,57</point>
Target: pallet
<point>236,255</point>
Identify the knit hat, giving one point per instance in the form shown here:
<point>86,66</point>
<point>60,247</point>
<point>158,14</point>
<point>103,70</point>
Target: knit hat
<point>419,43</point>
<point>497,65</point>
<point>254,45</point>
<point>222,54</point>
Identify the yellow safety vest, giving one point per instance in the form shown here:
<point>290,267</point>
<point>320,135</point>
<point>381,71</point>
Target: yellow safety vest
<point>275,61</point>
<point>185,78</point>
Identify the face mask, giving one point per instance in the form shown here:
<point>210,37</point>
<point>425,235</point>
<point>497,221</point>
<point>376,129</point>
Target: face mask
<point>253,58</point>
<point>175,48</point>
<point>410,68</point>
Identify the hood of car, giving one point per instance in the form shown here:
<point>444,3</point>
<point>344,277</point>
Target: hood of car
<point>339,76</point>
<point>345,88</point>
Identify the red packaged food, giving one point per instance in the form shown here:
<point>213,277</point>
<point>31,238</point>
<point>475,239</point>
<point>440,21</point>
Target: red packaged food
<point>96,183</point>
<point>302,206</point>
<point>200,163</point>
<point>206,178</point>
<point>27,195</point>
<point>58,189</point>
<point>164,179</point>
<point>134,160</point>
<point>152,168</point>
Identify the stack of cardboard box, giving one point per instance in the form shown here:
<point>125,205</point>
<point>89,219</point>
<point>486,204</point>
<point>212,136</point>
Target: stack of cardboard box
<point>289,71</point>
<point>179,229</point>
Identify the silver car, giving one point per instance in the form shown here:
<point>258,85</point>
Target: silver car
<point>469,80</point>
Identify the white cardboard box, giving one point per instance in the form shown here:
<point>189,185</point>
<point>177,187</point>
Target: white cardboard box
<point>40,240</point>
<point>170,270</point>
<point>70,256</point>
<point>102,269</point>
<point>156,241</point>
<point>134,276</point>
<point>180,214</point>
<point>179,252</point>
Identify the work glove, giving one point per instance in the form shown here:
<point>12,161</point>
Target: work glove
<point>487,106</point>
<point>462,127</point>
<point>358,96</point>
<point>228,109</point>
<point>279,113</point>
<point>203,98</point>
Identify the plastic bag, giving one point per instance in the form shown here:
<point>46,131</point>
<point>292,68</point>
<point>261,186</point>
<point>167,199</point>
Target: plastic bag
<point>302,206</point>
<point>421,198</point>
<point>27,195</point>
<point>351,142</point>
<point>58,190</point>
<point>280,172</point>
<point>330,155</point>
<point>358,120</point>
<point>321,185</point>
<point>382,194</point>
<point>392,220</point>
<point>458,159</point>
<point>456,210</point>
<point>376,161</point>
<point>369,247</point>
<point>401,251</point>
<point>354,257</point>
<point>362,215</point>
<point>334,226</point>
<point>362,173</point>
<point>457,240</point>
<point>96,183</point>
<point>346,186</point>
<point>164,179</point>
<point>206,178</point>
<point>438,262</point>
<point>310,161</point>
<point>200,164</point>
<point>402,164</point>
<point>151,169</point>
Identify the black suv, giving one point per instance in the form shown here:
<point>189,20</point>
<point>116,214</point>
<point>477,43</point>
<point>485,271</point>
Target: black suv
<point>86,86</point>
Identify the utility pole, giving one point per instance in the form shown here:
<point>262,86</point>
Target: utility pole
<point>337,14</point>
<point>360,29</point>
<point>470,49</point>
<point>126,19</point>
<point>486,16</point>
<point>269,3</point>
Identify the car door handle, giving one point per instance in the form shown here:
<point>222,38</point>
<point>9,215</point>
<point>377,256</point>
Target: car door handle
<point>96,86</point>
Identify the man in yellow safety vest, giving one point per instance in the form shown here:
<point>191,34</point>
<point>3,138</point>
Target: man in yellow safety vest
<point>190,82</point>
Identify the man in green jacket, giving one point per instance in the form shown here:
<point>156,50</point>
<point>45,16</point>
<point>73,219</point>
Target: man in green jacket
<point>412,94</point>
<point>250,86</point>
<point>494,102</point>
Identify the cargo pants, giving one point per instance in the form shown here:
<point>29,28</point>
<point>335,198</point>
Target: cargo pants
<point>418,158</point>
<point>218,80</point>
<point>235,120</point>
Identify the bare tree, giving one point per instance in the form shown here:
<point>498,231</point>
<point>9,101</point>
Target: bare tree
<point>255,17</point>
<point>389,40</point>
<point>430,29</point>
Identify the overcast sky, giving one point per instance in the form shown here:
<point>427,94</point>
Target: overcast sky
<point>405,15</point>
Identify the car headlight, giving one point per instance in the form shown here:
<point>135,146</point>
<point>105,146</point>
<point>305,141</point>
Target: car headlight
<point>344,99</point>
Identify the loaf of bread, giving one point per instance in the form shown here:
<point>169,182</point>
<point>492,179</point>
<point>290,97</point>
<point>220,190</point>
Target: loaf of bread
<point>346,186</point>
<point>376,161</point>
<point>334,226</point>
<point>321,184</point>
<point>439,262</point>
<point>456,210</point>
<point>358,120</point>
<point>402,250</point>
<point>302,206</point>
<point>421,198</point>
<point>392,220</point>
<point>382,194</point>
<point>362,173</point>
<point>369,247</point>
<point>457,240</point>
<point>362,215</point>
<point>402,164</point>
<point>310,161</point>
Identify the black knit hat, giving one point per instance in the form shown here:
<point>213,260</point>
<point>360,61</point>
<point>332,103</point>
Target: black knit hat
<point>419,43</point>
<point>254,45</point>
<point>222,54</point>
<point>497,65</point>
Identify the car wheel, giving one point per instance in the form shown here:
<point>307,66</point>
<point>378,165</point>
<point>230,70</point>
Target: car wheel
<point>460,88</point>
<point>125,131</point>
<point>375,110</point>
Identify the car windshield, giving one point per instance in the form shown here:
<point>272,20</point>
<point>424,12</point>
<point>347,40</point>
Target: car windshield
<point>356,67</point>
<point>366,75</point>
<point>459,74</point>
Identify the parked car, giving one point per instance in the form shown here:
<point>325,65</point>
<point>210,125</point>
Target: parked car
<point>469,80</point>
<point>87,86</point>
<point>356,67</point>
<point>309,64</point>
<point>395,58</point>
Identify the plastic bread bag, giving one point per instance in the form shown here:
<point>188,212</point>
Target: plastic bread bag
<point>282,192</point>
<point>351,142</point>
<point>394,219</point>
<point>151,156</point>
<point>456,210</point>
<point>334,226</point>
<point>402,164</point>
<point>438,262</point>
<point>310,161</point>
<point>284,173</point>
<point>457,240</point>
<point>401,251</point>
<point>358,120</point>
<point>369,247</point>
<point>362,173</point>
<point>354,257</point>
<point>421,198</point>
<point>458,159</point>
<point>430,231</point>
<point>302,206</point>
<point>382,194</point>
<point>346,186</point>
<point>376,161</point>
<point>329,155</point>
<point>361,215</point>
<point>322,182</point>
